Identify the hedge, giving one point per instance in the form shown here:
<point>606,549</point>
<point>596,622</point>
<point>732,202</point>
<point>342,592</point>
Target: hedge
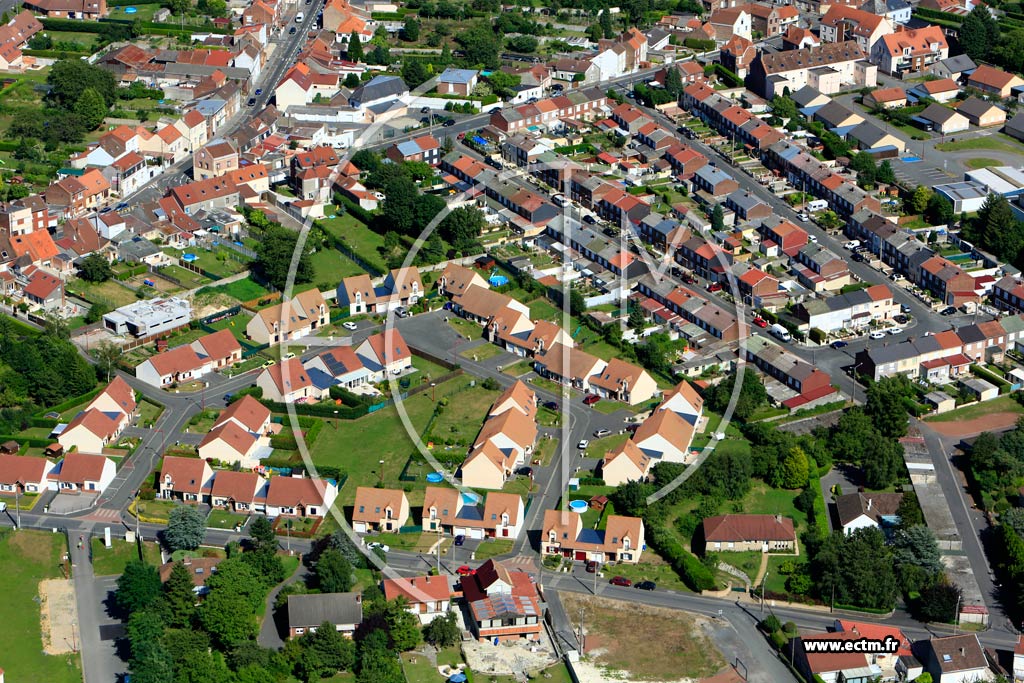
<point>727,75</point>
<point>55,54</point>
<point>71,402</point>
<point>694,574</point>
<point>318,409</point>
<point>698,44</point>
<point>347,397</point>
<point>30,440</point>
<point>988,376</point>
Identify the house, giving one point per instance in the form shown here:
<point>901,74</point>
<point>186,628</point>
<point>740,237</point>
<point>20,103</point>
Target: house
<point>504,441</point>
<point>982,113</point>
<point>306,613</point>
<point>835,116</point>
<point>726,23</point>
<point>714,181</point>
<point>941,119</point>
<point>177,365</point>
<point>956,659</point>
<point>185,479</point>
<point>82,473</point>
<point>454,81</point>
<point>850,311</point>
<point>955,68</point>
<point>149,318</point>
<point>864,510</point>
<point>339,366</point>
<point>503,603</point>
<point>665,436</point>
<point>89,10</point>
<point>764,533</point>
<point>221,348</point>
<point>771,20</point>
<point>380,91</point>
<point>385,354</point>
<point>913,51</point>
<point>995,81</point>
<point>1015,127</point>
<point>45,291</point>
<point>835,666</point>
<point>942,90</point>
<point>563,533</point>
<point>92,430</point>
<point>870,138</point>
<point>624,464</point>
<point>231,443</point>
<point>425,148</point>
<point>886,98</point>
<point>286,382</point>
<point>215,158</point>
<point>456,279</point>
<point>379,510</point>
<point>445,511</point>
<point>624,382</point>
<point>293,319</point>
<point>789,237</point>
<point>303,85</point>
<point>748,207</point>
<point>568,365</point>
<point>684,401</point>
<point>426,596</point>
<point>358,293</point>
<point>896,11</point>
<point>24,474</point>
<point>238,491</point>
<point>298,496</point>
<point>828,68</point>
<point>736,55</point>
<point>842,22</point>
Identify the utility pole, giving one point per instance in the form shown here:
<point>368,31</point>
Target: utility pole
<point>764,580</point>
<point>956,614</point>
<point>17,506</point>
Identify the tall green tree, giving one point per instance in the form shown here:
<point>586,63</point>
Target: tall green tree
<point>885,173</point>
<point>919,202</point>
<point>186,528</point>
<point>979,34</point>
<point>95,268</point>
<point>881,461</point>
<point>480,46</point>
<point>107,355</point>
<point>886,405</point>
<point>795,469</point>
<point>605,21</point>
<point>326,652</point>
<point>718,218</point>
<point>410,31</point>
<point>443,631</point>
<point>354,48</point>
<point>917,546</point>
<point>939,210</point>
<point>414,73</point>
<point>274,254</point>
<point>179,598</point>
<point>462,228</point>
<point>503,84</point>
<point>228,616</point>
<point>138,587</point>
<point>69,78</point>
<point>403,626</point>
<point>333,572</point>
<point>377,661</point>
<point>91,108</point>
<point>674,81</point>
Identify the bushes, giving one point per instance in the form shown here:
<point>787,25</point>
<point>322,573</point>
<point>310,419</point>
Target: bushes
<point>694,574</point>
<point>730,77</point>
<point>699,45</point>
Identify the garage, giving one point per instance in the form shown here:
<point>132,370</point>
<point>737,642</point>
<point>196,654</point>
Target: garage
<point>474,534</point>
<point>581,555</point>
<point>360,527</point>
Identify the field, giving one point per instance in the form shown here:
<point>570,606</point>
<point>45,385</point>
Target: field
<point>999,142</point>
<point>493,548</point>
<point>243,290</point>
<point>981,162</point>
<point>143,12</point>
<point>598,447</point>
<point>653,568</point>
<point>26,558</point>
<point>481,353</point>
<point>331,266</point>
<point>418,669</point>
<point>768,501</point>
<point>358,237</point>
<point>188,279</point>
<point>108,291</point>
<point>110,562</point>
<point>1003,404</point>
<point>463,416</point>
<point>652,644</point>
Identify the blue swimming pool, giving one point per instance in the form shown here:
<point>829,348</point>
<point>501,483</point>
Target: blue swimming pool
<point>435,477</point>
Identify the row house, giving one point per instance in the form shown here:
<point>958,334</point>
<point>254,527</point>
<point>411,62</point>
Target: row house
<point>870,229</point>
<point>789,237</point>
<point>529,205</point>
<point>88,10</point>
<point>603,251</point>
<point>1008,294</point>
<point>310,171</point>
<point>22,216</point>
<point>755,287</point>
<point>704,315</point>
<point>505,440</point>
<point>843,23</point>
<point>850,311</point>
<point>684,160</point>
<point>563,533</point>
<point>425,148</point>
<point>576,104</point>
<point>656,137</point>
<point>402,287</point>
<point>622,208</point>
<point>102,421</point>
<point>748,207</point>
<point>664,233</point>
<point>819,269</point>
<point>828,68</point>
<point>214,159</point>
<point>771,20</point>
<point>706,259</point>
<point>946,280</point>
<point>738,54</point>
<point>301,315</point>
<point>73,196</point>
<point>729,119</point>
<point>803,170</point>
<point>630,118</point>
<point>714,181</point>
<point>809,382</point>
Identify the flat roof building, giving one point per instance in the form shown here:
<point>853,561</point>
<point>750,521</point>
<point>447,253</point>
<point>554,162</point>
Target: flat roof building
<point>146,318</point>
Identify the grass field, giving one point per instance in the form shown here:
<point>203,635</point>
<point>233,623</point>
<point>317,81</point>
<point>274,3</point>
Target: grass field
<point>1003,404</point>
<point>519,369</point>
<point>26,558</point>
<point>222,519</point>
<point>108,562</point>
<point>768,501</point>
<point>108,291</point>
<point>188,279</point>
<point>418,668</point>
<point>330,266</point>
<point>598,447</point>
<point>653,568</point>
<point>243,290</point>
<point>998,141</point>
<point>747,562</point>
<point>652,644</point>
<point>359,238</point>
<point>143,12</point>
<point>481,353</point>
<point>462,417</point>
<point>493,548</point>
<point>981,162</point>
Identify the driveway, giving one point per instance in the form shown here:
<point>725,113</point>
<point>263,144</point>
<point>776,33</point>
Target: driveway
<point>848,479</point>
<point>67,503</point>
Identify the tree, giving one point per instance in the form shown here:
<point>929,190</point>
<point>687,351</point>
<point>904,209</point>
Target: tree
<point>410,30</point>
<point>107,355</point>
<point>333,572</point>
<point>595,33</point>
<point>138,587</point>
<point>403,625</point>
<point>919,201</point>
<point>144,627</point>
<point>503,84</point>
<point>881,461</point>
<point>1013,518</point>
<point>717,218</point>
<point>95,268</point>
<point>179,7</point>
<point>636,319</point>
<point>938,602</point>
<point>795,469</point>
<point>151,664</point>
<point>377,662</point>
<point>939,210</point>
<point>185,528</point>
<point>414,73</point>
<point>752,395</point>
<point>996,229</point>
<point>341,542</point>
<point>354,49</point>
<point>397,211</point>
<point>69,78</point>
<point>234,575</point>
<point>462,228</point>
<point>274,254</point>
<point>909,511</point>
<point>480,46</point>
<point>379,55</point>
<point>525,44</point>
<point>885,405</point>
<point>215,8</point>
<point>179,598</point>
<point>227,616</point>
<point>979,34</point>
<point>847,438</point>
<point>674,82</point>
<point>784,107</point>
<point>325,653</point>
<point>917,546</point>
<point>443,631</point>
<point>577,304</point>
<point>91,108</point>
<point>351,81</point>
<point>605,21</point>
<point>657,353</point>
<point>885,173</point>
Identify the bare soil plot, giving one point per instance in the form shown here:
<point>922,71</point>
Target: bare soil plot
<point>58,611</point>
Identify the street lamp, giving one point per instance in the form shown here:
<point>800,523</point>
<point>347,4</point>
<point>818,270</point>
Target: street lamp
<point>335,420</point>
<point>381,463</point>
<point>432,393</point>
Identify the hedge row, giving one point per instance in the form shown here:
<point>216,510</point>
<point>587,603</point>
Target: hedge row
<point>318,409</point>
<point>31,441</point>
<point>71,402</point>
<point>55,54</point>
<point>694,574</point>
<point>698,44</point>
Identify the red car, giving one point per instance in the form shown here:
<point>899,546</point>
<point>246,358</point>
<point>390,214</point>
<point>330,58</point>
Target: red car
<point>591,399</point>
<point>621,581</point>
<point>591,566</point>
<point>714,287</point>
<point>760,322</point>
<point>465,570</point>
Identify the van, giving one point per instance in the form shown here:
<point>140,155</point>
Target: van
<point>560,200</point>
<point>817,205</point>
<point>299,17</point>
<point>852,244</point>
<point>780,332</point>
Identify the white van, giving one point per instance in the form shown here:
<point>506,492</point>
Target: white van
<point>780,332</point>
<point>852,244</point>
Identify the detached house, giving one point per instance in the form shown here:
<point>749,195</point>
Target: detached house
<point>503,604</point>
<point>995,81</point>
<point>910,52</point>
<point>307,613</point>
<point>102,421</point>
<point>764,533</point>
<point>624,464</point>
<point>426,596</point>
<point>24,474</point>
<point>301,315</point>
<point>384,354</point>
<point>379,510</point>
<point>445,511</point>
<point>82,473</point>
<point>286,382</point>
<point>299,497</point>
<point>624,382</point>
<point>238,491</point>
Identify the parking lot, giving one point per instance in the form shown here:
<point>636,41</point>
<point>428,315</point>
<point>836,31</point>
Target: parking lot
<point>922,172</point>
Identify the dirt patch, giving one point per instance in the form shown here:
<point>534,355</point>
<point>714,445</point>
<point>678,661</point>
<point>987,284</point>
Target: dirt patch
<point>57,614</point>
<point>966,428</point>
<point>654,644</point>
<point>28,547</point>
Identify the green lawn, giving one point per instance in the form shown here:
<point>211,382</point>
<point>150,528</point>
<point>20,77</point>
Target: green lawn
<point>464,327</point>
<point>768,501</point>
<point>652,568</point>
<point>26,558</point>
<point>982,162</point>
<point>155,510</point>
<point>143,13</point>
<point>222,519</point>
<point>481,353</point>
<point>148,413</point>
<point>521,368</point>
<point>187,278</point>
<point>995,142</point>
<point>108,562</point>
<point>359,238</point>
<point>461,419</point>
<point>418,668</point>
<point>243,290</point>
<point>428,369</point>
<point>330,266</point>
<point>109,292</point>
<point>747,562</point>
<point>545,451</point>
<point>598,447</point>
<point>493,548</point>
<point>543,309</point>
<point>235,323</point>
<point>1003,404</point>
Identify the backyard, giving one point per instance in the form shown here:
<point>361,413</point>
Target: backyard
<point>359,238</point>
<point>26,558</point>
<point>106,292</point>
<point>1003,404</point>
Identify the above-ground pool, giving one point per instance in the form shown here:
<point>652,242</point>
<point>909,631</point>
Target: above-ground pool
<point>498,280</point>
<point>130,10</point>
<point>435,477</point>
<point>578,505</point>
<point>189,257</point>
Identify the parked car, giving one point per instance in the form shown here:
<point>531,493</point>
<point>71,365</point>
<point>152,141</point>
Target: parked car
<point>525,471</point>
<point>589,219</point>
<point>291,30</point>
<point>259,91</point>
<point>382,546</point>
<point>760,322</point>
<point>591,399</point>
<point>449,123</point>
<point>839,344</point>
<point>401,312</point>
<point>460,539</point>
<point>251,102</point>
<point>689,279</point>
<point>601,432</point>
<point>465,570</point>
<point>901,319</point>
<point>895,330</point>
<point>647,585</point>
<point>803,217</point>
<point>583,444</point>
<point>425,110</point>
<point>621,581</point>
<point>228,397</point>
<point>877,334</point>
<point>591,566</point>
<point>858,257</point>
<point>267,363</point>
<point>895,277</point>
<point>714,287</point>
<point>948,310</point>
<point>551,405</point>
<point>349,325</point>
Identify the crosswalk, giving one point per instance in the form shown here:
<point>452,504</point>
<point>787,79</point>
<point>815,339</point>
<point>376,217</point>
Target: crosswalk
<point>103,515</point>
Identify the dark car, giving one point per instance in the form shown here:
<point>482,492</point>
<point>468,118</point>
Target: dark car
<point>647,585</point>
<point>591,399</point>
<point>122,205</point>
<point>227,398</point>
<point>259,91</point>
<point>948,310</point>
<point>591,566</point>
<point>449,123</point>
<point>291,30</point>
<point>859,258</point>
<point>425,110</point>
<point>252,101</point>
<point>901,319</point>
<point>589,219</point>
<point>551,405</point>
<point>460,539</point>
<point>621,581</point>
<point>839,344</point>
<point>525,471</point>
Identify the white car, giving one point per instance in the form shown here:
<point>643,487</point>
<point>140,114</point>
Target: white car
<point>877,335</point>
<point>803,217</point>
<point>349,325</point>
<point>895,330</point>
<point>373,546</point>
<point>583,444</point>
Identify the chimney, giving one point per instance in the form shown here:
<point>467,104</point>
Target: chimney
<point>778,518</point>
<point>869,504</point>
